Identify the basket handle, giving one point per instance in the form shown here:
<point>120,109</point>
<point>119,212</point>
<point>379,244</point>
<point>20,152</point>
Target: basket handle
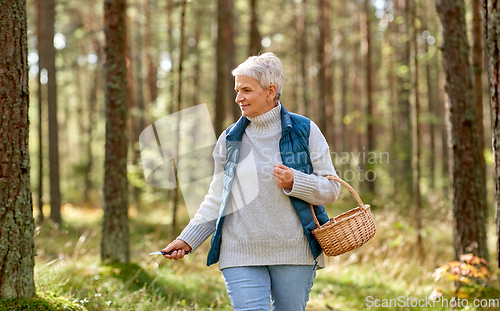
<point>351,189</point>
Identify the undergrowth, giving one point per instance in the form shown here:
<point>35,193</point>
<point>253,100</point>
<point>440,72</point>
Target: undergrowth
<point>68,264</point>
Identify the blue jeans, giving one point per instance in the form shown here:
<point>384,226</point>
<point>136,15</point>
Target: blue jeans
<point>254,288</point>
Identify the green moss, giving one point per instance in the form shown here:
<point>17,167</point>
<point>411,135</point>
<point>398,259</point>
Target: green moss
<point>50,302</point>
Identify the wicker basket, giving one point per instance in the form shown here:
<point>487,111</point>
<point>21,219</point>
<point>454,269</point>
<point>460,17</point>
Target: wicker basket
<point>347,231</point>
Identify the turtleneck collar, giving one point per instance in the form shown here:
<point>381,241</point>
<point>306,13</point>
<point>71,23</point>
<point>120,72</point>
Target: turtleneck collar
<point>267,120</point>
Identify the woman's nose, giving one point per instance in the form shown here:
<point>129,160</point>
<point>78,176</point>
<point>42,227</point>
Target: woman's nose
<point>239,97</point>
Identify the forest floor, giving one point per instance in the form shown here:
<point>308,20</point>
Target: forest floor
<point>68,264</point>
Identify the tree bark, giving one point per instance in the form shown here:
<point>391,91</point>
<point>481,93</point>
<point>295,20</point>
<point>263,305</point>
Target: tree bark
<point>150,59</point>
<point>49,54</point>
<point>92,103</point>
<point>477,67</point>
<point>17,250</point>
<point>177,109</point>
<point>405,176</point>
<point>115,243</point>
<point>255,38</point>
<point>223,73</point>
<point>469,206</point>
<point>303,48</point>
<point>325,79</point>
<point>366,48</point>
<point>170,49</point>
<point>416,135</point>
<point>39,27</point>
<point>492,35</point>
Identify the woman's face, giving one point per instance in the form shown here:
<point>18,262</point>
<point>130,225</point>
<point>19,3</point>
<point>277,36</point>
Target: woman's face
<point>252,98</point>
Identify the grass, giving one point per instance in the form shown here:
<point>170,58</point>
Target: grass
<point>68,265</point>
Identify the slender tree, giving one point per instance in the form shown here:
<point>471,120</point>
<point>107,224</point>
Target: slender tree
<point>325,77</point>
<point>177,109</point>
<point>17,251</point>
<point>115,243</point>
<point>405,177</point>
<point>366,47</point>
<point>92,104</point>
<point>416,132</point>
<point>150,56</point>
<point>492,35</point>
<point>255,38</point>
<point>303,48</point>
<point>39,93</point>
<point>477,67</point>
<point>469,206</point>
<point>48,60</point>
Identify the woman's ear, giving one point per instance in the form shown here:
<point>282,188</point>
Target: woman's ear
<point>271,91</point>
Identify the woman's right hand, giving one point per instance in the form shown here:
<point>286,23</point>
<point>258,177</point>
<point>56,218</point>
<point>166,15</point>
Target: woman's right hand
<point>179,248</point>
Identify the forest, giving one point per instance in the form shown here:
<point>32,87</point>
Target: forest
<point>405,92</point>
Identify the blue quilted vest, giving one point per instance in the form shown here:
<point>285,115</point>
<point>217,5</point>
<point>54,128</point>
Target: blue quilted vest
<point>294,149</point>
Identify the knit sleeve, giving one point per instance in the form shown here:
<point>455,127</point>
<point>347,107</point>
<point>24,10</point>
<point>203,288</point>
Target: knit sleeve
<point>314,188</point>
<point>203,223</point>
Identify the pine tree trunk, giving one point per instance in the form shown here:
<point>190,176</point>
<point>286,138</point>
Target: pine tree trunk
<point>221,68</point>
<point>492,34</point>
<point>92,103</point>
<point>325,62</point>
<point>39,94</point>
<point>405,175</point>
<point>416,134</point>
<point>177,109</point>
<point>115,243</point>
<point>469,206</point>
<point>17,252</point>
<point>303,48</point>
<point>370,126</point>
<point>48,11</point>
<point>255,38</point>
<point>150,59</point>
<point>477,67</point>
<point>138,107</point>
<point>170,48</point>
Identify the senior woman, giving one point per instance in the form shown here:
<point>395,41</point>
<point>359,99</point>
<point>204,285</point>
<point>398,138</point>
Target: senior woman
<point>259,211</point>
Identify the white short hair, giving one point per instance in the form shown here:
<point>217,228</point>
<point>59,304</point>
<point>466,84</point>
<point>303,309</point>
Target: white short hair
<point>265,68</point>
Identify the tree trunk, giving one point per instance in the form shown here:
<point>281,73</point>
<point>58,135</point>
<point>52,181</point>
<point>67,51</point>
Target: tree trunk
<point>170,48</point>
<point>405,177</point>
<point>492,34</point>
<point>17,226</point>
<point>47,46</point>
<point>477,67</point>
<point>416,134</point>
<point>198,56</point>
<point>469,206</point>
<point>39,27</point>
<point>230,47</point>
<point>325,62</point>
<point>150,59</point>
<point>177,109</point>
<point>303,48</point>
<point>221,67</point>
<point>92,103</point>
<point>366,48</point>
<point>115,243</point>
<point>255,38</point>
<point>137,117</point>
<point>344,88</point>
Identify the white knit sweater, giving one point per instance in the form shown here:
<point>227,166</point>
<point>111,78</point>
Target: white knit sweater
<point>261,226</point>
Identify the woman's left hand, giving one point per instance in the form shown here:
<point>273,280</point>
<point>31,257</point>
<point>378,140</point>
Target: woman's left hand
<point>283,176</point>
